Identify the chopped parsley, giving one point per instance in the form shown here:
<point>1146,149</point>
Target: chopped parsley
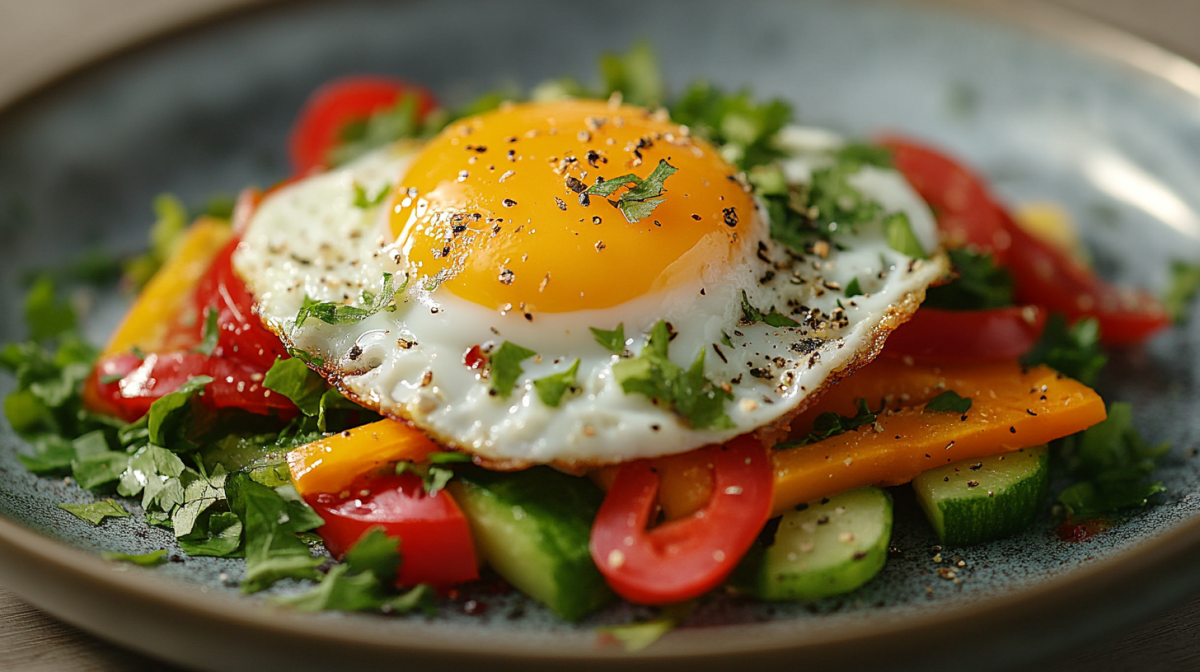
<point>551,388</point>
<point>447,458</point>
<point>1114,462</point>
<point>949,401</point>
<point>504,367</point>
<point>613,341</point>
<point>336,313</point>
<point>433,478</point>
<point>752,315</point>
<point>271,524</point>
<point>1073,350</point>
<point>96,512</point>
<point>687,391</point>
<point>900,236</point>
<point>152,559</point>
<point>743,128</point>
<point>170,226</point>
<point>208,342</point>
<point>642,198</point>
<point>980,284</point>
<point>364,581</point>
<point>294,380</point>
<point>401,121</point>
<point>853,288</point>
<point>830,424</point>
<point>46,315</point>
<point>635,74</point>
<point>363,202</point>
<point>1185,282</point>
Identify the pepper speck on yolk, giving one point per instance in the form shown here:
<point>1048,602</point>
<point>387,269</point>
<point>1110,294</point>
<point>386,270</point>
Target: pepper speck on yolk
<point>490,209</point>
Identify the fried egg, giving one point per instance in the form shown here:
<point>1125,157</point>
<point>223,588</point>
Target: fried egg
<point>490,225</point>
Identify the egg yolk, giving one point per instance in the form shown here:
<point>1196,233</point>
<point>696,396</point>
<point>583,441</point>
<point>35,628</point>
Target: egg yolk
<point>494,210</point>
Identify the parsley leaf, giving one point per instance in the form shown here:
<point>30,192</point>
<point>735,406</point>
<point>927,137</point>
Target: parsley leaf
<point>551,388</point>
<point>45,315</point>
<point>636,74</point>
<point>949,401</point>
<point>152,559</point>
<point>638,636</point>
<point>504,367</point>
<point>688,392</point>
<point>1072,350</point>
<point>170,225</point>
<point>1185,282</point>
<point>96,512</point>
<point>641,199</point>
<point>743,128</point>
<point>97,469</point>
<point>294,380</point>
<point>199,493</point>
<point>211,333</point>
<point>433,478</point>
<point>853,288</point>
<point>170,413</point>
<point>401,121</point>
<point>1114,462</point>
<point>752,315</point>
<point>362,202</point>
<point>900,236</point>
<point>273,551</point>
<point>863,154</point>
<point>377,553</point>
<point>830,424</point>
<point>154,472</point>
<point>336,313</point>
<point>980,285</point>
<point>447,458</point>
<point>613,341</point>
<point>218,534</point>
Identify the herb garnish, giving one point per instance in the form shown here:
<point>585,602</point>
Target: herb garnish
<point>504,367</point>
<point>688,392</point>
<point>336,313</point>
<point>551,388</point>
<point>830,424</point>
<point>949,401</point>
<point>96,512</point>
<point>363,202</point>
<point>853,288</point>
<point>1185,282</point>
<point>752,315</point>
<point>433,478</point>
<point>900,236</point>
<point>980,285</point>
<point>273,551</point>
<point>1114,462</point>
<point>211,334</point>
<point>1072,350</point>
<point>613,341</point>
<point>151,559</point>
<point>642,198</point>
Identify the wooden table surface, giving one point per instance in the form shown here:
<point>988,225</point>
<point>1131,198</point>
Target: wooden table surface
<point>39,38</point>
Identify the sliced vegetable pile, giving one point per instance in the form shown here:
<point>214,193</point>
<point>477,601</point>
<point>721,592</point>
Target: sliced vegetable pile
<point>197,413</point>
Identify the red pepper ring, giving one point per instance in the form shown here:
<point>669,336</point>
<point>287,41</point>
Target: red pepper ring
<point>685,558</point>
<point>934,335</point>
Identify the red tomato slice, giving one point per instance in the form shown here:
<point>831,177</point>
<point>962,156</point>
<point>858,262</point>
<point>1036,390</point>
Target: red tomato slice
<point>964,208</point>
<point>684,558</point>
<point>337,103</point>
<point>142,382</point>
<point>934,335</point>
<point>1051,278</point>
<point>435,540</point>
<point>241,335</point>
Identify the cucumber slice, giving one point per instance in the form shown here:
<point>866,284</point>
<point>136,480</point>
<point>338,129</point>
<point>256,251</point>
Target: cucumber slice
<point>533,527</point>
<point>830,547</point>
<point>973,501</point>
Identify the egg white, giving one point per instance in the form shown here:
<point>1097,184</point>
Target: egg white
<point>309,239</point>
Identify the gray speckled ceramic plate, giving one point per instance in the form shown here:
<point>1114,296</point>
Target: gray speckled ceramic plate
<point>1115,137</point>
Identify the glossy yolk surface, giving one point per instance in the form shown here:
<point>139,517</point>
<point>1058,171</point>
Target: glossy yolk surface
<point>491,208</point>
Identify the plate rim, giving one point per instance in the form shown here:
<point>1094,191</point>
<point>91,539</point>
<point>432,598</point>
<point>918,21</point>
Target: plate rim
<point>24,552</point>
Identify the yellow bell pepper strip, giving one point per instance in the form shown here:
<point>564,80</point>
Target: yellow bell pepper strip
<point>1010,410</point>
<point>331,464</point>
<point>168,297</point>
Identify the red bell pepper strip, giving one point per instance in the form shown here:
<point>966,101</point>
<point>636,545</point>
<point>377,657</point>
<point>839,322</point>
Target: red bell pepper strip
<point>435,539</point>
<point>316,131</point>
<point>682,559</point>
<point>934,335</point>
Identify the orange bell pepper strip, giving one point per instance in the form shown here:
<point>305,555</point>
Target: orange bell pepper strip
<point>153,322</point>
<point>331,464</point>
<point>1012,408</point>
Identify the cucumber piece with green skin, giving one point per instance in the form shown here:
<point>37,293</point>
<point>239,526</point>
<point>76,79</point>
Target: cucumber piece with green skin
<point>829,547</point>
<point>533,527</point>
<point>973,501</point>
